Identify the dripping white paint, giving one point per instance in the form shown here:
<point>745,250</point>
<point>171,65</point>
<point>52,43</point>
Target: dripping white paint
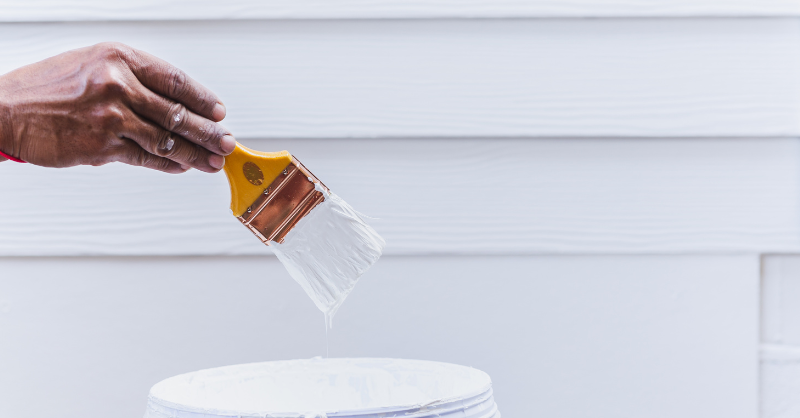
<point>328,251</point>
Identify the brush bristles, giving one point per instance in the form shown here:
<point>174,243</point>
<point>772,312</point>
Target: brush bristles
<point>328,250</point>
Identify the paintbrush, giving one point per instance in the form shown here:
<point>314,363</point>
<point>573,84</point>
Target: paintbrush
<point>323,243</point>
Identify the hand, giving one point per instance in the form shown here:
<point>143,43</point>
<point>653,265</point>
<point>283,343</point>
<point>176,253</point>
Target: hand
<point>110,102</point>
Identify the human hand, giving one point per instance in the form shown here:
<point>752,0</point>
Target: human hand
<point>110,102</point>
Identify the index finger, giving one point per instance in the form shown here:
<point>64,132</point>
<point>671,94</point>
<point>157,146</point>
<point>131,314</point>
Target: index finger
<point>170,81</point>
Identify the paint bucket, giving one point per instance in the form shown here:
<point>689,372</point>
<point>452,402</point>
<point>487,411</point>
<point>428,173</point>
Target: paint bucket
<point>319,388</point>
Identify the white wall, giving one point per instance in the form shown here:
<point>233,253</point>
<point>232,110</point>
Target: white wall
<point>115,10</point>
<point>577,206</point>
<point>570,335</point>
<point>443,196</point>
<point>457,78</point>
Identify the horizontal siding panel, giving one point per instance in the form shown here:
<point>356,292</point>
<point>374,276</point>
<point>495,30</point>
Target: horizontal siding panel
<point>441,196</point>
<point>656,337</point>
<point>72,10</point>
<point>491,78</point>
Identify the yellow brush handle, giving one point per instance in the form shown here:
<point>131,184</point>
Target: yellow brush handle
<point>250,173</point>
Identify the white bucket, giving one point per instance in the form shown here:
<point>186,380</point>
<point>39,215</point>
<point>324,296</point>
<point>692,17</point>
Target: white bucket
<point>363,388</point>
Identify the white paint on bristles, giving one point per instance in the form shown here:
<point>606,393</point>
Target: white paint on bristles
<point>328,250</point>
<point>317,387</point>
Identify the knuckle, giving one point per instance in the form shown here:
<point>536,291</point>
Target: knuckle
<point>142,158</point>
<point>206,101</point>
<point>176,117</point>
<point>192,155</point>
<point>165,144</point>
<point>110,50</point>
<point>176,82</point>
<point>161,164</point>
<point>107,81</point>
<point>109,117</point>
<point>105,48</point>
<point>208,131</point>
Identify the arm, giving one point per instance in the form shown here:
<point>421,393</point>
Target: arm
<point>107,103</point>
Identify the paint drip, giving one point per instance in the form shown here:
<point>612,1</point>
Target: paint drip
<point>328,250</point>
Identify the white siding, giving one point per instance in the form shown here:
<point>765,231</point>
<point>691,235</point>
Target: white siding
<point>655,336</point>
<point>484,78</point>
<point>71,10</point>
<point>576,206</point>
<point>441,196</point>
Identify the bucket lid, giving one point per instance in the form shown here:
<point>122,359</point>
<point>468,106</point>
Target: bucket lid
<point>360,387</point>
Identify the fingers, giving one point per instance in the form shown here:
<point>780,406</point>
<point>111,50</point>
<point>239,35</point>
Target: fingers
<point>177,118</point>
<point>165,144</point>
<point>168,80</point>
<point>131,153</point>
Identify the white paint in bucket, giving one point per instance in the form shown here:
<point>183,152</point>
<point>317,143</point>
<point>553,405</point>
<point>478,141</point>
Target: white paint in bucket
<point>363,387</point>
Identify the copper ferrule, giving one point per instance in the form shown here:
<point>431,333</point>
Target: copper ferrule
<point>284,202</point>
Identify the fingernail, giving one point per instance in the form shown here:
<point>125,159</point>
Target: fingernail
<point>219,112</point>
<point>227,144</point>
<point>184,167</point>
<point>216,161</point>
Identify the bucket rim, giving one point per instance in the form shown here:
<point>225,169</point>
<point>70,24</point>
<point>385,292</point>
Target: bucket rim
<point>418,410</point>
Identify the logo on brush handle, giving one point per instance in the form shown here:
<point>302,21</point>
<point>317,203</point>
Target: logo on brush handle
<point>253,174</point>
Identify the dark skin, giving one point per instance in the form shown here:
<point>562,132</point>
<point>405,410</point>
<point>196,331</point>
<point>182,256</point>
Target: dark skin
<point>110,102</point>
